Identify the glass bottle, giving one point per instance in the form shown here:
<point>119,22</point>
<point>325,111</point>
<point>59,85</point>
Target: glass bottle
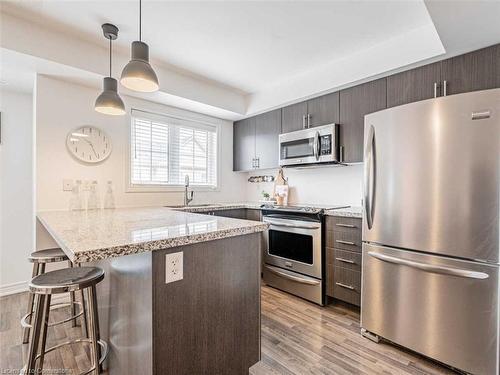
<point>75,201</point>
<point>109,198</point>
<point>93,199</point>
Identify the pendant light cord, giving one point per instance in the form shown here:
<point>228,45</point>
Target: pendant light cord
<point>110,57</point>
<point>140,20</point>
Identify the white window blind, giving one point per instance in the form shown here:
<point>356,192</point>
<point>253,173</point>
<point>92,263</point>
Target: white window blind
<point>166,149</point>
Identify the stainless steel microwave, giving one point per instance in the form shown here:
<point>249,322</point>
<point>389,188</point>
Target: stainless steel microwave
<point>309,146</point>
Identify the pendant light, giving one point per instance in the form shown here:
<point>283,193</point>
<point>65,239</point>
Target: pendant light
<point>109,102</point>
<point>138,75</point>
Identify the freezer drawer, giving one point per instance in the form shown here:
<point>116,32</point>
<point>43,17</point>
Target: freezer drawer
<point>444,308</point>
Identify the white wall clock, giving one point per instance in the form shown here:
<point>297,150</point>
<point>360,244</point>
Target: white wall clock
<point>89,144</point>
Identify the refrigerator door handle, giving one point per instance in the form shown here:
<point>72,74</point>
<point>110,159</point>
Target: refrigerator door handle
<point>369,174</point>
<point>430,268</point>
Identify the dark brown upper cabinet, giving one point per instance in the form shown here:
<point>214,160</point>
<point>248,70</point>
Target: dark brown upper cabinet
<point>323,110</point>
<point>478,70</point>
<point>355,103</point>
<point>414,85</point>
<point>255,142</point>
<point>311,113</point>
<point>293,117</point>
<point>267,130</point>
<point>244,144</point>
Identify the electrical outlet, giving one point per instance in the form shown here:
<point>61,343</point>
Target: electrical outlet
<point>67,185</point>
<point>174,267</point>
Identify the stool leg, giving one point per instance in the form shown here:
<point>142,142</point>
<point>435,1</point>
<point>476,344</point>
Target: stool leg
<point>35,335</point>
<point>43,333</point>
<point>31,300</point>
<point>85,322</point>
<point>94,328</point>
<point>84,308</point>
<point>72,299</point>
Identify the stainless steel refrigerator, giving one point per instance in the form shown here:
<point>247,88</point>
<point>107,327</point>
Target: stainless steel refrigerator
<point>431,229</point>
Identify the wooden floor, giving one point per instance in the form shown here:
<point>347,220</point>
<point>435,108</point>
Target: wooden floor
<point>298,337</point>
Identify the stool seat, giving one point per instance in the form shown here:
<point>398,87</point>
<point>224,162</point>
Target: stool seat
<point>48,256</point>
<point>66,280</point>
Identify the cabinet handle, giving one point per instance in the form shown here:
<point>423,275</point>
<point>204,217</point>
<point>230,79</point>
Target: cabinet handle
<point>304,122</point>
<point>257,162</point>
<point>308,120</point>
<point>341,154</point>
<point>346,242</point>
<point>345,260</point>
<point>435,89</point>
<point>345,225</point>
<point>345,286</point>
<point>445,86</point>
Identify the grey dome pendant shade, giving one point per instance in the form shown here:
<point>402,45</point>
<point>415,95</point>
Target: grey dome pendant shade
<point>138,75</point>
<point>109,102</point>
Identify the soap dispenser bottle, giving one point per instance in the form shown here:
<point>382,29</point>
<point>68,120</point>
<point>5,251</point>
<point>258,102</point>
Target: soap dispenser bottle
<point>109,198</point>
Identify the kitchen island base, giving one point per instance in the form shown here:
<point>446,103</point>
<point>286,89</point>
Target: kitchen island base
<point>206,323</point>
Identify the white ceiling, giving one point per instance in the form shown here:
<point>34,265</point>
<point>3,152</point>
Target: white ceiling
<point>247,45</point>
<point>232,59</point>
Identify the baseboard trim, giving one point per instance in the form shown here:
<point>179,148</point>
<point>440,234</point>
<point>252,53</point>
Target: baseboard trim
<point>14,288</point>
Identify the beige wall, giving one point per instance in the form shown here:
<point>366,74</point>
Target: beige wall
<point>61,107</point>
<point>16,190</point>
<point>333,185</point>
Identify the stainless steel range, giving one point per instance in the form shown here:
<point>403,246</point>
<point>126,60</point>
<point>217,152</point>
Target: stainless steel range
<point>293,258</point>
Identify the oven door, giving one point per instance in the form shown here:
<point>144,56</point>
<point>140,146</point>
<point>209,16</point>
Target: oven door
<point>294,245</point>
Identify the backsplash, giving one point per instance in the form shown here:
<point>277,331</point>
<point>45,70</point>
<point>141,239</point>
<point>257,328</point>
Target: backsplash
<point>323,185</point>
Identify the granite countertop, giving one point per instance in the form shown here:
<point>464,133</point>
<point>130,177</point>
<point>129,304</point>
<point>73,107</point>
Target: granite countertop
<point>353,211</point>
<point>92,235</point>
<point>218,207</point>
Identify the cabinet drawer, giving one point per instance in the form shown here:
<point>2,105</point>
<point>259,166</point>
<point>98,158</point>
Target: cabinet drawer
<point>347,285</point>
<point>344,240</point>
<point>344,224</point>
<point>342,258</point>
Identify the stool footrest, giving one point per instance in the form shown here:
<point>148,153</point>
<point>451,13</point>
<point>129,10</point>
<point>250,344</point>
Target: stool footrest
<point>104,352</point>
<point>24,319</point>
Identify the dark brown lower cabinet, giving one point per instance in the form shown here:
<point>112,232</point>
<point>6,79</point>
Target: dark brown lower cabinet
<point>343,259</point>
<point>237,213</point>
<point>253,214</point>
<point>208,323</point>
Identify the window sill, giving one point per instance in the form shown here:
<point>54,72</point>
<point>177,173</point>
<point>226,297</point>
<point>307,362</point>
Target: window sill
<point>167,189</point>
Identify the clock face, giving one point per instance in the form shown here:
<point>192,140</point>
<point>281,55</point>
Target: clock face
<point>89,144</point>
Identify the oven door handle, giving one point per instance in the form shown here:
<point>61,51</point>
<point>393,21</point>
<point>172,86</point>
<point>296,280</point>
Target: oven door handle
<point>286,275</point>
<point>278,224</point>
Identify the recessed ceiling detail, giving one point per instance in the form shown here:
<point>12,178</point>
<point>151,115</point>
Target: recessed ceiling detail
<point>247,57</point>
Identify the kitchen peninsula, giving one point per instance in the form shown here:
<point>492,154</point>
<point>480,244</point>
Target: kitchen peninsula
<point>206,323</point>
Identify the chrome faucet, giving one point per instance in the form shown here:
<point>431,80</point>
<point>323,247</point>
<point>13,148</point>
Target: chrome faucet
<point>188,195</point>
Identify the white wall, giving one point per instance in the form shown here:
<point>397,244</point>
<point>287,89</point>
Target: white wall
<point>331,185</point>
<point>61,107</point>
<point>16,190</point>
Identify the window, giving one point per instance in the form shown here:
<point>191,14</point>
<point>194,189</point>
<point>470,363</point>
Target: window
<point>163,150</point>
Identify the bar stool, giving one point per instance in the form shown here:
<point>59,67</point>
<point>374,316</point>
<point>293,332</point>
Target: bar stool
<point>62,281</point>
<point>39,259</point>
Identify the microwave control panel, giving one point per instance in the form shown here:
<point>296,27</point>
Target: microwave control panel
<point>326,144</point>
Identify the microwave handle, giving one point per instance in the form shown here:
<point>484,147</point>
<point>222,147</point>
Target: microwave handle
<point>316,146</point>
